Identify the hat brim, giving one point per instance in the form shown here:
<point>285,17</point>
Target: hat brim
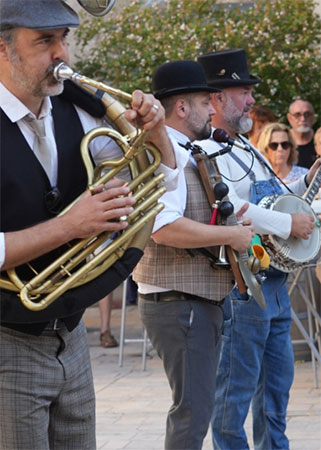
<point>168,93</point>
<point>221,84</point>
<point>37,15</point>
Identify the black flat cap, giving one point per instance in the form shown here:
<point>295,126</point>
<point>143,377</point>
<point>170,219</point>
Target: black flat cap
<point>179,77</point>
<point>36,14</point>
<point>227,68</point>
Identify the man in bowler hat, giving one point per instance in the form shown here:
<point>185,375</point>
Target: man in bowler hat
<point>180,293</point>
<point>256,363</point>
<point>46,387</point>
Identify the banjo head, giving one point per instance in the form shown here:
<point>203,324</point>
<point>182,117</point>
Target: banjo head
<point>295,250</point>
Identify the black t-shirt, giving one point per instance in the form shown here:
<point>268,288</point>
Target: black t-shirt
<point>307,155</point>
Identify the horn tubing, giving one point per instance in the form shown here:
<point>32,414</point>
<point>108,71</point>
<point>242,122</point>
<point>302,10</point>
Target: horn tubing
<point>57,278</point>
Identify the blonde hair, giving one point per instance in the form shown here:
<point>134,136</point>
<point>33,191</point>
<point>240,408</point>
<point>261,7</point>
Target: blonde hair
<point>265,139</point>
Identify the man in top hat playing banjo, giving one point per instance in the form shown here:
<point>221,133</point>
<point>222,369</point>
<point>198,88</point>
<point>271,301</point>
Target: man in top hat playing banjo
<point>180,294</point>
<point>256,363</point>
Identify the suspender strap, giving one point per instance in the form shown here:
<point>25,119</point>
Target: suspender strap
<point>262,161</point>
<point>244,166</point>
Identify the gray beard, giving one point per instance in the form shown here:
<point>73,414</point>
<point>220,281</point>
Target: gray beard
<point>235,119</point>
<point>302,129</point>
<point>42,88</point>
<point>245,125</point>
<point>239,124</point>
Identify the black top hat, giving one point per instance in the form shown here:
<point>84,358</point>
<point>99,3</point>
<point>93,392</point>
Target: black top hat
<point>36,14</point>
<point>227,68</point>
<point>179,77</point>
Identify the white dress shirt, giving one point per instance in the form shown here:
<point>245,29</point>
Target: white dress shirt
<point>101,148</point>
<point>265,221</point>
<point>174,201</point>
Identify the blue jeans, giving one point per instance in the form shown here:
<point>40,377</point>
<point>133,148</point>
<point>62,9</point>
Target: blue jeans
<point>257,365</point>
<point>187,337</point>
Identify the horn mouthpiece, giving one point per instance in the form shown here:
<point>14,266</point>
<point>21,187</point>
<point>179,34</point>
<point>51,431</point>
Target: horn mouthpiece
<point>63,72</point>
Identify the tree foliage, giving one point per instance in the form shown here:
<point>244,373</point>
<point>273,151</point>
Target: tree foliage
<point>281,37</point>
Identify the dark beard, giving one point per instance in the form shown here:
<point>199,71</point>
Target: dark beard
<point>204,133</point>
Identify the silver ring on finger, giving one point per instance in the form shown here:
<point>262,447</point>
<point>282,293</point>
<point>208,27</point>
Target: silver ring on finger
<point>156,107</point>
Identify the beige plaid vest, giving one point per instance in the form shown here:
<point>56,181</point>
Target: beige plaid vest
<point>174,268</point>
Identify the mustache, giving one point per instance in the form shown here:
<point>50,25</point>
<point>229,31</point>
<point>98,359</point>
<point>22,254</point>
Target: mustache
<point>52,67</point>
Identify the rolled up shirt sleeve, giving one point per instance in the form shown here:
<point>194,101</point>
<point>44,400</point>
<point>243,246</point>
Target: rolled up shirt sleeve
<point>172,175</point>
<point>174,199</point>
<point>104,148</point>
<point>2,249</point>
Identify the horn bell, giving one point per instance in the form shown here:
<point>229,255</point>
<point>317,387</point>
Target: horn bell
<point>97,8</point>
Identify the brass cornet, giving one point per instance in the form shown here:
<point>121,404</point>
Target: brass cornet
<point>84,261</point>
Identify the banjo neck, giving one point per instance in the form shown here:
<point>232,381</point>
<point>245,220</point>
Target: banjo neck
<point>313,187</point>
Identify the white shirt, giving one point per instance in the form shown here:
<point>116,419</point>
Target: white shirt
<point>101,148</point>
<point>265,221</point>
<point>175,200</point>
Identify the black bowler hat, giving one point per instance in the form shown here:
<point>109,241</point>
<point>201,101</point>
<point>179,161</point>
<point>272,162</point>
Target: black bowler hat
<point>227,68</point>
<point>36,14</point>
<point>179,77</point>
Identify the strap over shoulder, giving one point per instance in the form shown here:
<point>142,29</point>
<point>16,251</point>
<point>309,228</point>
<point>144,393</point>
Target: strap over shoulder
<point>90,103</point>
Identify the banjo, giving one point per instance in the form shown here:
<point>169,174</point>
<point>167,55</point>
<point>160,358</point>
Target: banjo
<point>291,254</point>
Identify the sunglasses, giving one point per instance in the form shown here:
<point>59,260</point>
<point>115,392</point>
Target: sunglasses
<point>285,145</point>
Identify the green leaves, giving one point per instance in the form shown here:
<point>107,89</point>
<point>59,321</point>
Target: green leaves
<point>281,37</point>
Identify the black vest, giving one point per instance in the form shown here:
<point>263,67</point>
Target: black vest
<point>24,183</point>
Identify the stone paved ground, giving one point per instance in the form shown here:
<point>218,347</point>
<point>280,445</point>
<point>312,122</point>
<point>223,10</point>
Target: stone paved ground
<point>132,403</point>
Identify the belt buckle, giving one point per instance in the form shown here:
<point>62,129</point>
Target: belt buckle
<point>56,325</point>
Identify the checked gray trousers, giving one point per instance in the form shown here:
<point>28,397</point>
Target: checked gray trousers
<point>46,391</point>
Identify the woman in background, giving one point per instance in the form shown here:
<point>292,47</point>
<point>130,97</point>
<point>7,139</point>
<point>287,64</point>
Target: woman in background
<point>107,340</point>
<point>277,144</point>
<point>260,116</point>
<point>317,142</point>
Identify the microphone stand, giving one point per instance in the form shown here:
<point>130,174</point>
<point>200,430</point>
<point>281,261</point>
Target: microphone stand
<point>221,152</point>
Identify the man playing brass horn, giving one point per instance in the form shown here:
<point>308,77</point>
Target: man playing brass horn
<point>256,363</point>
<point>46,387</point>
<point>180,292</point>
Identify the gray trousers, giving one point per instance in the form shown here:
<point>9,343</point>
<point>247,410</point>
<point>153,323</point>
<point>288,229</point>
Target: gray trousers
<point>187,337</point>
<point>46,391</point>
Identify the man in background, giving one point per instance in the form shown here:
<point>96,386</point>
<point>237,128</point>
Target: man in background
<point>301,118</point>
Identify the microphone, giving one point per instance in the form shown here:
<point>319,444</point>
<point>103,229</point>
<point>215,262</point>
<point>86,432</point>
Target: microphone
<point>220,135</point>
<point>220,152</point>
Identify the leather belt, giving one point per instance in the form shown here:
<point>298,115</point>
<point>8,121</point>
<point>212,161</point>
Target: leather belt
<point>174,296</point>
